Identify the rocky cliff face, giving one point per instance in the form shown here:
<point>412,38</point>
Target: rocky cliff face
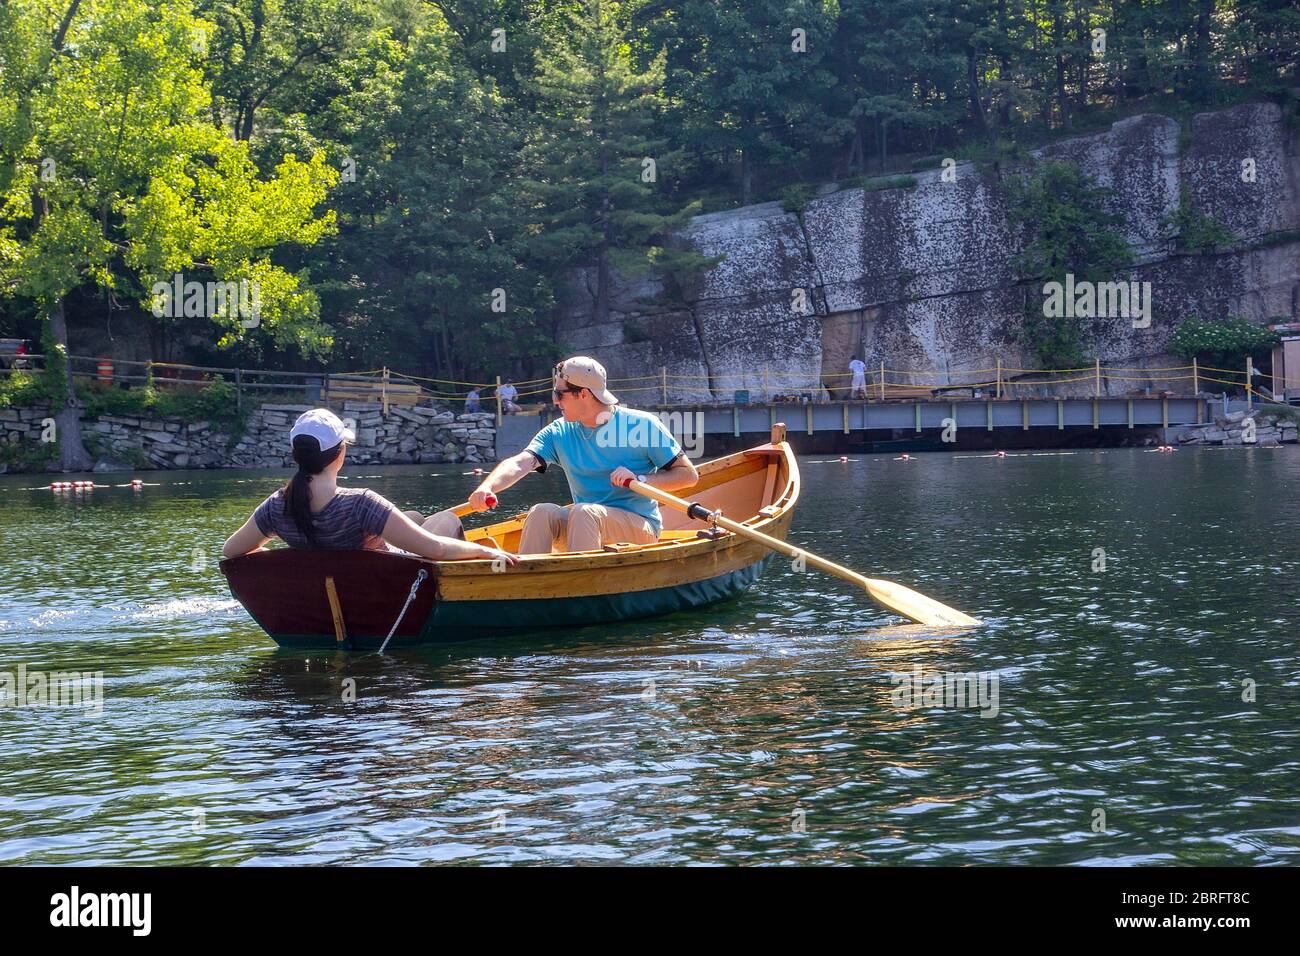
<point>920,277</point>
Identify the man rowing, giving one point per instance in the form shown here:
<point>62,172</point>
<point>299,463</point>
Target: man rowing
<point>599,444</point>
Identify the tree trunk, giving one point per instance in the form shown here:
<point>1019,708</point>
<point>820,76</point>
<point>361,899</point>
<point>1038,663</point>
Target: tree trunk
<point>746,178</point>
<point>600,308</point>
<point>1004,70</point>
<point>72,450</point>
<point>1202,71</point>
<point>973,80</point>
<point>445,359</point>
<point>1058,37</point>
<point>856,159</point>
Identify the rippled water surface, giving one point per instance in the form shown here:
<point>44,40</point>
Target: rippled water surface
<point>709,737</point>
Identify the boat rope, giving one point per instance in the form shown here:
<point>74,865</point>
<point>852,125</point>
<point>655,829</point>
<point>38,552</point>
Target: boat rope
<point>415,586</point>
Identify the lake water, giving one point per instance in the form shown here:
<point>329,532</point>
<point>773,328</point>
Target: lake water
<point>1147,700</point>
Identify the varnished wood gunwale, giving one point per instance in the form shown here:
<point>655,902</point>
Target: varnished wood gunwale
<point>663,564</point>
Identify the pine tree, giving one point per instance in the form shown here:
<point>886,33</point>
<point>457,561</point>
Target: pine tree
<point>597,160</point>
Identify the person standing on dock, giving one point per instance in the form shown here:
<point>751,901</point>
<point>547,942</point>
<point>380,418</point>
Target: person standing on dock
<point>858,387</point>
<point>599,444</point>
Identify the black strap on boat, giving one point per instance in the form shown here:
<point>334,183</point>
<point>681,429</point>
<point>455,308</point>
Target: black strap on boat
<point>415,586</point>
<point>699,512</point>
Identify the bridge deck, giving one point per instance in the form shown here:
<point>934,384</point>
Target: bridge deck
<point>916,416</point>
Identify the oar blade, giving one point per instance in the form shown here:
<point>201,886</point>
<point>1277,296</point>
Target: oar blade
<point>918,607</point>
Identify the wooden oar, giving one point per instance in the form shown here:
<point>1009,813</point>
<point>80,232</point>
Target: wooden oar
<point>903,600</point>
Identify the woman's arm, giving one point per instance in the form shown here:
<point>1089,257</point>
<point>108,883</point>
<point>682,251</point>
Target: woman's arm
<point>246,539</point>
<point>401,532</point>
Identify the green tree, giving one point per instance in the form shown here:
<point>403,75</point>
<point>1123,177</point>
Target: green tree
<point>263,51</point>
<point>596,162</point>
<point>115,179</point>
<point>1194,231</point>
<point>1066,228</point>
<point>432,222</point>
<point>748,85</point>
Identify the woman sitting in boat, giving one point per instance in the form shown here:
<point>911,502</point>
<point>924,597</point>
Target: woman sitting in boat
<point>311,511</point>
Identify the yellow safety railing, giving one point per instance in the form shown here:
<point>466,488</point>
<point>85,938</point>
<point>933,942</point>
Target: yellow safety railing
<point>767,381</point>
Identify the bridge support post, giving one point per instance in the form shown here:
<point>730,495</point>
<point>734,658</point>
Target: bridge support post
<point>916,417</point>
<point>1060,415</point>
<point>1024,414</point>
<point>1096,414</point>
<point>1130,413</point>
<point>988,415</point>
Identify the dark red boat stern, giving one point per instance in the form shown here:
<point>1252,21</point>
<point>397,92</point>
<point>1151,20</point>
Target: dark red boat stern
<point>284,589</point>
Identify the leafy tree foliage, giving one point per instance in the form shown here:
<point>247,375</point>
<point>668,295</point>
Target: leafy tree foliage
<point>1068,230</point>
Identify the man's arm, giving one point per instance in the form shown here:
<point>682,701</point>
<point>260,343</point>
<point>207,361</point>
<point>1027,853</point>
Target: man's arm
<point>679,475</point>
<point>506,473</point>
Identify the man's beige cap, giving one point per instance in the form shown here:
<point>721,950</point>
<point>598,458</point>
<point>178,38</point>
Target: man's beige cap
<point>583,371</point>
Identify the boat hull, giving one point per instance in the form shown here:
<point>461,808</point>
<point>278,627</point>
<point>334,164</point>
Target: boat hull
<point>352,600</point>
<point>460,621</point>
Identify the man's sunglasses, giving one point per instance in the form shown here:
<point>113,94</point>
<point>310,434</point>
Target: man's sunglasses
<point>559,393</point>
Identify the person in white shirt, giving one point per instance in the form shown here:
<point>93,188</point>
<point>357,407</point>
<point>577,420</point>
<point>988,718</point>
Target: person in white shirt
<point>858,387</point>
<point>508,394</point>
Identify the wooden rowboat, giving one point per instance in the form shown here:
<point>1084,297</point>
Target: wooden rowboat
<point>353,599</point>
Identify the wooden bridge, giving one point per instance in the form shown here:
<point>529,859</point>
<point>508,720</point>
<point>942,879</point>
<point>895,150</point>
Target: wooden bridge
<point>899,419</point>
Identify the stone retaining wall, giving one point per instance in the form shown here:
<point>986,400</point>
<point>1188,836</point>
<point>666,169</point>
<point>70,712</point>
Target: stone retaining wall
<point>1271,428</point>
<point>407,435</point>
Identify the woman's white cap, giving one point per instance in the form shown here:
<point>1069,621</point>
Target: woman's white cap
<point>322,425</point>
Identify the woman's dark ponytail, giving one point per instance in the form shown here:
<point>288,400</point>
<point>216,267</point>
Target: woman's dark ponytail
<point>297,493</point>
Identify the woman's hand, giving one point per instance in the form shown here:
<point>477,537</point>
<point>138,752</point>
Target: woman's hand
<point>496,554</point>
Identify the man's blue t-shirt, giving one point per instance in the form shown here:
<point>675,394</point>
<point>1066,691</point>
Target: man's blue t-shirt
<point>633,439</point>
